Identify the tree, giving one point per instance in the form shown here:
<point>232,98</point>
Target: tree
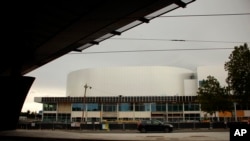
<point>213,97</point>
<point>31,115</point>
<point>28,113</point>
<point>238,68</point>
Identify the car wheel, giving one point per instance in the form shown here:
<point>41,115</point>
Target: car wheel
<point>143,130</point>
<point>167,130</point>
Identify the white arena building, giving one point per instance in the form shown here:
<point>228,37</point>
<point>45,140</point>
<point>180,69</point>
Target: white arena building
<point>133,81</point>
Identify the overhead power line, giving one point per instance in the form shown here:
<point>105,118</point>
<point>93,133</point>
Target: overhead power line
<point>205,15</point>
<point>177,40</point>
<point>181,16</point>
<point>155,50</point>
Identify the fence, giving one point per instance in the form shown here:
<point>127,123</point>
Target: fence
<point>118,126</point>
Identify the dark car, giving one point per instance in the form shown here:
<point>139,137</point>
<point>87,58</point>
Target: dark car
<point>154,125</point>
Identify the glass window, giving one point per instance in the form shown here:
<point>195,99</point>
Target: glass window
<point>63,118</point>
<point>175,107</point>
<point>156,122</point>
<point>161,107</point>
<point>77,107</point>
<point>109,107</point>
<point>49,117</point>
<point>158,107</point>
<point>142,107</point>
<point>126,107</point>
<point>201,83</point>
<point>192,107</point>
<point>49,106</point>
<point>93,107</point>
<point>153,107</point>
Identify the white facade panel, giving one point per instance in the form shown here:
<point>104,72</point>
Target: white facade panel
<point>247,113</point>
<point>93,114</point>
<point>191,112</point>
<point>190,87</point>
<point>76,114</point>
<point>142,114</point>
<point>126,114</point>
<point>128,81</point>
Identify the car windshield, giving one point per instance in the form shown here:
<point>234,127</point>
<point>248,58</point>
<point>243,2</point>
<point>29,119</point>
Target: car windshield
<point>156,122</point>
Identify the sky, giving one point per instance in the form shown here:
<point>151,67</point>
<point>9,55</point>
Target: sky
<point>208,40</point>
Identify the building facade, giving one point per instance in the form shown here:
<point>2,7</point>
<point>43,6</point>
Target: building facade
<point>122,108</point>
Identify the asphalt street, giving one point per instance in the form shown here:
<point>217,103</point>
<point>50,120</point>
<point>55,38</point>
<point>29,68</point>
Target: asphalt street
<point>114,135</point>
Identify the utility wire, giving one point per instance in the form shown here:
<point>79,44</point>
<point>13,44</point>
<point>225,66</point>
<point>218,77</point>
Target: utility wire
<point>156,50</point>
<point>176,40</point>
<point>181,16</point>
<point>205,15</point>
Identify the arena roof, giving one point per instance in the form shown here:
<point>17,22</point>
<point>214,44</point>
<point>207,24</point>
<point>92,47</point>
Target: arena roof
<point>37,32</point>
<point>118,99</point>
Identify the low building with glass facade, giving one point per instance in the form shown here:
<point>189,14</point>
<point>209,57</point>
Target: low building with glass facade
<point>122,108</point>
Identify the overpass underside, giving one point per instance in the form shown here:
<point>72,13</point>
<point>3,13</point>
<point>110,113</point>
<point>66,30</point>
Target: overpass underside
<point>37,32</point>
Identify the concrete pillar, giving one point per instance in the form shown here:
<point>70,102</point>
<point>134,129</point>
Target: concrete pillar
<point>14,90</point>
<point>166,118</point>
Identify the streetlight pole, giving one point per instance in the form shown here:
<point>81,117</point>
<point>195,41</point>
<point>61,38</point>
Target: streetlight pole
<point>119,105</point>
<point>84,100</point>
<point>235,112</point>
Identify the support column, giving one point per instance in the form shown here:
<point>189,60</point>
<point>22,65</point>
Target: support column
<point>14,90</point>
<point>166,118</point>
<point>101,112</point>
<point>117,112</point>
<point>183,111</point>
<point>134,111</point>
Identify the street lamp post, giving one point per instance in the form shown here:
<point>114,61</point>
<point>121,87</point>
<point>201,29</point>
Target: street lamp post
<point>84,100</point>
<point>119,105</point>
<point>235,112</point>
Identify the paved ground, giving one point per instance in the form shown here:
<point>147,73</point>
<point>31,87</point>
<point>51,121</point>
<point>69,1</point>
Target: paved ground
<point>119,135</point>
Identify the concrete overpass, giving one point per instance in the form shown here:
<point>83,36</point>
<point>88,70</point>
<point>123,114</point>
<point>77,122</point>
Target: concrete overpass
<point>37,32</point>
